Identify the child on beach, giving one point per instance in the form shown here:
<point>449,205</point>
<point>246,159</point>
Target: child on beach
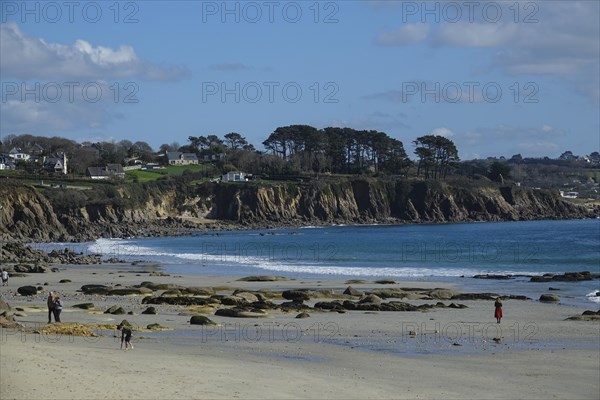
<point>57,308</point>
<point>4,277</point>
<point>498,310</point>
<point>125,336</point>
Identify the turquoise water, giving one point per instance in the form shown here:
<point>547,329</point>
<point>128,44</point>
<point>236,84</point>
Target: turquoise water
<point>443,252</point>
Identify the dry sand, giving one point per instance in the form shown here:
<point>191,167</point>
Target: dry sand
<point>354,355</point>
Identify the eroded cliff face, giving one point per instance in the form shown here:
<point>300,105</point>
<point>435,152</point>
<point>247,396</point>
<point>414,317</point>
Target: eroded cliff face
<point>27,214</point>
<point>367,201</point>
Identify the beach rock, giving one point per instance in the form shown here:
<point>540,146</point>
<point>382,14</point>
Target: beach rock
<point>159,286</point>
<point>96,289</point>
<point>115,310</point>
<point>355,282</point>
<point>84,306</point>
<point>232,300</point>
<point>65,281</point>
<point>350,291</point>
<point>385,282</point>
<point>549,298</point>
<point>492,276</point>
<point>55,269</point>
<point>515,297</point>
<point>323,293</point>
<point>460,306</point>
<point>264,305</point>
<point>293,305</point>
<point>31,269</point>
<point>249,297</point>
<point>263,278</point>
<point>201,320</point>
<point>149,310</point>
<point>442,294</point>
<point>475,296</point>
<point>551,288</point>
<point>240,313</point>
<point>389,306</point>
<point>171,293</point>
<point>389,293</point>
<point>370,299</point>
<point>590,312</point>
<point>303,315</point>
<point>27,290</point>
<point>566,277</point>
<point>156,327</point>
<point>297,296</point>
<point>4,307</point>
<point>330,305</point>
<point>200,291</point>
<point>129,292</point>
<point>180,301</point>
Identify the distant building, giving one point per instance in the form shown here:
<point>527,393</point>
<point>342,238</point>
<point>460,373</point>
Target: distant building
<point>36,149</point>
<point>569,195</point>
<point>111,171</point>
<point>6,163</point>
<point>234,176</point>
<point>56,164</point>
<point>178,158</point>
<point>17,154</point>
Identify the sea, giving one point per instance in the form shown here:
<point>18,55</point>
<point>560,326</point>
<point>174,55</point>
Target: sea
<point>448,253</point>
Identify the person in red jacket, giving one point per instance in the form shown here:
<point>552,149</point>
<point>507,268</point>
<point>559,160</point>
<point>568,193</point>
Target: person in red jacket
<point>498,310</point>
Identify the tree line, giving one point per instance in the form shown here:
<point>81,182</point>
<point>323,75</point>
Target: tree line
<point>291,150</point>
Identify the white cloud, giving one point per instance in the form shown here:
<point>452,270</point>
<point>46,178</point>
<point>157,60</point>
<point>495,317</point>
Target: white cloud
<point>476,35</point>
<point>23,57</point>
<point>445,132</point>
<point>44,117</point>
<point>406,34</point>
<point>550,38</point>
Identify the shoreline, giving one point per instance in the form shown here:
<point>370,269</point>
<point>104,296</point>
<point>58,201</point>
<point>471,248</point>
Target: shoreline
<point>355,354</point>
<point>220,225</point>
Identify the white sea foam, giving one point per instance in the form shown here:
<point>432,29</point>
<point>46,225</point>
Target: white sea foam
<point>593,297</point>
<point>126,249</point>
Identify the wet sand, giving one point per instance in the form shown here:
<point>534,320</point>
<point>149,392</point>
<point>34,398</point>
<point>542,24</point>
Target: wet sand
<point>443,353</point>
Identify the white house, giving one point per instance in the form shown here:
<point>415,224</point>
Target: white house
<point>17,154</point>
<point>178,158</point>
<point>234,176</point>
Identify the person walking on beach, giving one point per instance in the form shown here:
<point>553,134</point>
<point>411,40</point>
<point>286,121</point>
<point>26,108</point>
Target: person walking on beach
<point>50,302</point>
<point>498,310</point>
<point>125,336</point>
<point>57,308</point>
<point>4,277</point>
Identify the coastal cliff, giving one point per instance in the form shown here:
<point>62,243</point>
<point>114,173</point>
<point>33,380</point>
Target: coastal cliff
<point>43,214</point>
<point>371,201</point>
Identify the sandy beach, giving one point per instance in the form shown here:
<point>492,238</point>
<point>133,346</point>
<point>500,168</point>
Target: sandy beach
<point>443,353</point>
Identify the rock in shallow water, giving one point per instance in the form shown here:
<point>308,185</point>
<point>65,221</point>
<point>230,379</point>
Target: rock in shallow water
<point>549,298</point>
<point>201,320</point>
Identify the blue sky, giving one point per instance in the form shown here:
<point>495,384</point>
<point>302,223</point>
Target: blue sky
<point>498,78</point>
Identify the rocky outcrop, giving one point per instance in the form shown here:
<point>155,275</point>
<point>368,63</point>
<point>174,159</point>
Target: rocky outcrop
<point>370,200</point>
<point>172,207</point>
<point>566,277</point>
